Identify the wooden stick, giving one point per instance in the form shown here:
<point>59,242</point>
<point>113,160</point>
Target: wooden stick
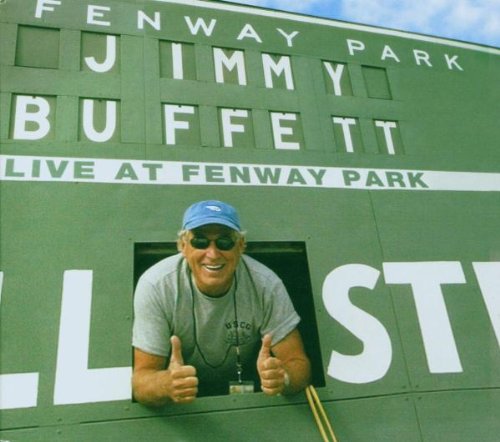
<point>322,411</point>
<point>315,413</point>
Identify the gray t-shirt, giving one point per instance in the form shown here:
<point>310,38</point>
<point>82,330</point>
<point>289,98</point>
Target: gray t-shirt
<point>167,302</point>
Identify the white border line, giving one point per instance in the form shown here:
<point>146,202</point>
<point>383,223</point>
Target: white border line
<point>329,22</point>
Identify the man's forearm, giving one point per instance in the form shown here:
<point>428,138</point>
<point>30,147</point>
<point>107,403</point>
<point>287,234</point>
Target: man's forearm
<point>148,387</point>
<point>299,375</point>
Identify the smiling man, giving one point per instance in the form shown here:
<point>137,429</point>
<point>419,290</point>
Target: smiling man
<point>211,320</point>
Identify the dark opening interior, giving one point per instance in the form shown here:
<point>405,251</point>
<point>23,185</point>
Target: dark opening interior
<point>288,260</point>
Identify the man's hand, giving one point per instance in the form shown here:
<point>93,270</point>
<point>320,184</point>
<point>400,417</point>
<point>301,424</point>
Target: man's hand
<point>154,385</point>
<point>182,385</point>
<point>271,371</point>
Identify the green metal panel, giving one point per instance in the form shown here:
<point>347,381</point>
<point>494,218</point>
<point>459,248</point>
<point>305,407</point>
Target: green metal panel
<point>459,415</point>
<point>388,419</point>
<point>377,151</point>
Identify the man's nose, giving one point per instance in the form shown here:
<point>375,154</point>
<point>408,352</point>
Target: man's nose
<point>212,249</point>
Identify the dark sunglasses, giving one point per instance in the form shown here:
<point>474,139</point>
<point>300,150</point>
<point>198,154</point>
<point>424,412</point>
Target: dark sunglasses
<point>223,243</point>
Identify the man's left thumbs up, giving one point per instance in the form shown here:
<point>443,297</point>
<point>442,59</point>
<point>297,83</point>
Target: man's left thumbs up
<point>271,371</point>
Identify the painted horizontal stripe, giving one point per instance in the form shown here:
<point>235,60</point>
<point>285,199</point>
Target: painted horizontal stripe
<point>123,171</point>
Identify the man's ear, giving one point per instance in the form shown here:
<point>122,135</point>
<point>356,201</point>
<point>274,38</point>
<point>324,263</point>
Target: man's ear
<point>242,245</point>
<point>181,245</point>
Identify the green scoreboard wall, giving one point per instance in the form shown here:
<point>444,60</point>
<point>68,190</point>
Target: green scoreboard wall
<point>365,163</point>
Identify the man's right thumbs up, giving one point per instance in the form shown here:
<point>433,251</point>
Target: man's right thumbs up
<point>183,386</point>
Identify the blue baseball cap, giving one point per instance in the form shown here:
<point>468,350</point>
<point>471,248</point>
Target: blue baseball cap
<point>211,212</point>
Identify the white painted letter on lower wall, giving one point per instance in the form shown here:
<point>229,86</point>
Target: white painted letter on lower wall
<point>374,361</point>
<point>75,382</point>
<point>19,390</point>
<point>425,279</point>
<point>488,277</point>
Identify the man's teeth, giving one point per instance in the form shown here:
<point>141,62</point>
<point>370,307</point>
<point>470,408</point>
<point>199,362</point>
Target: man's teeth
<point>214,268</point>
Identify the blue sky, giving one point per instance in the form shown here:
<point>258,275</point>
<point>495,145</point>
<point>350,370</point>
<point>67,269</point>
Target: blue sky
<point>476,21</point>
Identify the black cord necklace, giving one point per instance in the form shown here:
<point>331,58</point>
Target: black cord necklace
<point>195,327</point>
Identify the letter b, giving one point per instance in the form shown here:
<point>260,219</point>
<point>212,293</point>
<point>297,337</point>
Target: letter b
<point>33,110</point>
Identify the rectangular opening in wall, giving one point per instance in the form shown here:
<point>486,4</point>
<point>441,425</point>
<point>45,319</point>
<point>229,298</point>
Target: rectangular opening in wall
<point>177,60</point>
<point>229,65</point>
<point>99,120</point>
<point>389,137</point>
<point>287,259</point>
<point>37,47</point>
<point>377,83</point>
<point>287,130</point>
<point>236,127</point>
<point>337,79</point>
<point>347,134</point>
<point>278,71</point>
<point>100,53</point>
<point>33,117</point>
<point>181,124</point>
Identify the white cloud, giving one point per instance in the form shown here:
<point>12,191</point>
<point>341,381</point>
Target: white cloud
<point>481,16</point>
<point>392,13</point>
<point>305,6</point>
<point>461,19</point>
